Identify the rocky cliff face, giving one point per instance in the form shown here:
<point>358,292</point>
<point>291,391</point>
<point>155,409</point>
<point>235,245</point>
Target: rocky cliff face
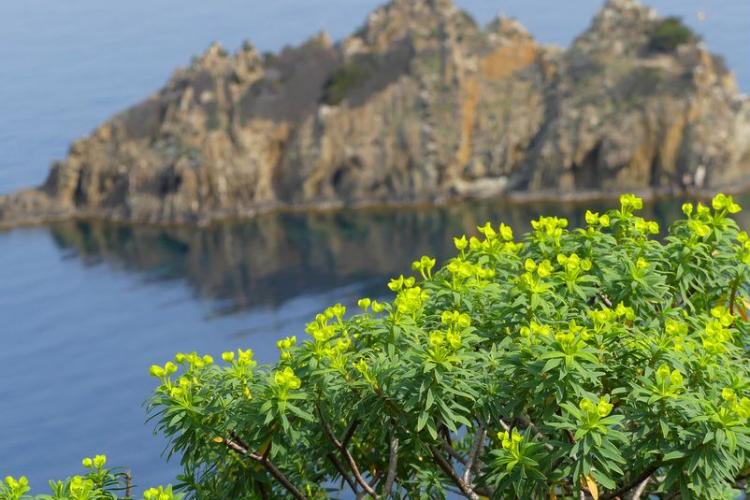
<point>419,105</point>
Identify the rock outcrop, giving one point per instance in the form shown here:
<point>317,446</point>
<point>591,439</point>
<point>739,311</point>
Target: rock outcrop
<point>419,105</point>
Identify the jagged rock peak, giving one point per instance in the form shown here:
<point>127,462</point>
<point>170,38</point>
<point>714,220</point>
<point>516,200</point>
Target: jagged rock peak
<point>214,52</point>
<point>508,28</point>
<point>324,39</point>
<point>403,18</point>
<point>620,26</point>
<point>625,10</point>
<point>436,6</point>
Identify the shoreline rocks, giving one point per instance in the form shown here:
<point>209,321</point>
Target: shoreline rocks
<point>421,105</point>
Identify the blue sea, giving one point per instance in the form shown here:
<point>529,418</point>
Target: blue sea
<point>86,307</point>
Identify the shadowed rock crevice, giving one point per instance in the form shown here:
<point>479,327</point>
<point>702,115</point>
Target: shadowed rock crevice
<point>420,105</point>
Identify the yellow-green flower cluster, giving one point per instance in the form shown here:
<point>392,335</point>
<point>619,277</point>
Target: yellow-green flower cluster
<point>534,332</point>
<point>594,411</point>
<point>96,463</point>
<point>644,226</point>
<point>284,380</point>
<point>572,339</point>
<point>365,304</point>
<point>723,202</point>
<point>641,268</point>
<point>717,332</point>
<point>699,228</point>
<point>669,382</point>
<point>180,392</point>
<point>336,353</point>
<point>463,270</point>
<point>629,203</point>
<point>495,241</point>
<point>424,266</point>
<point>444,343</point>
<point>160,493</point>
<point>243,358</point>
<point>15,488</point>
<point>594,220</point>
<point>744,253</point>
<point>543,269</point>
<point>624,312</point>
<point>504,232</point>
<point>500,240</point>
<point>364,369</point>
<point>285,347</point>
<point>398,284</point>
<point>460,243</point>
<point>323,332</point>
<point>456,322</point>
<point>676,331</point>
<point>320,330</point>
<point>511,442</point>
<point>535,274</point>
<point>733,409</point>
<point>549,229</point>
<point>439,339</point>
<point>698,218</point>
<point>81,488</point>
<point>163,372</point>
<point>573,265</point>
<point>604,317</point>
<point>193,361</point>
<point>409,301</point>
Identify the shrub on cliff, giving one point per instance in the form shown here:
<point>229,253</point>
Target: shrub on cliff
<point>351,75</point>
<point>670,34</point>
<point>590,362</point>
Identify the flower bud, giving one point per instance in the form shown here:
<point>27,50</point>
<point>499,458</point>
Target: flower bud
<point>487,230</point>
<point>364,304</point>
<point>544,269</point>
<point>728,394</point>
<point>506,232</point>
<point>604,407</point>
<point>460,243</point>
<point>529,265</point>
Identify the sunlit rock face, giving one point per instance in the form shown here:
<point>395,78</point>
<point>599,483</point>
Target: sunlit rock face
<point>419,105</point>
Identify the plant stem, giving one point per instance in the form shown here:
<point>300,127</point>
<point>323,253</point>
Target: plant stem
<point>392,466</point>
<point>448,470</point>
<point>635,482</point>
<point>267,464</point>
<point>474,452</point>
<point>345,452</point>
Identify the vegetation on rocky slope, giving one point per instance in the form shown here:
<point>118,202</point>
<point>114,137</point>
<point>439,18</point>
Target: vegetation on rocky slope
<point>670,34</point>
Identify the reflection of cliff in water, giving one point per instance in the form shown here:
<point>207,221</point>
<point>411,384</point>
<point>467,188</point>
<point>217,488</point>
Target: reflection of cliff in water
<point>273,258</point>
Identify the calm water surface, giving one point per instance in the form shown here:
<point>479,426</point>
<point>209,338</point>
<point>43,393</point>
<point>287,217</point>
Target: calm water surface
<point>85,308</point>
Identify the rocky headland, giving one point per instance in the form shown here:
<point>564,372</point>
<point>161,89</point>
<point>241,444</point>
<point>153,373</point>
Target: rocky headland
<point>420,105</point>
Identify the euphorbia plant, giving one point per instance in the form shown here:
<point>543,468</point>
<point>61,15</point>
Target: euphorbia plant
<point>97,483</point>
<point>596,362</point>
